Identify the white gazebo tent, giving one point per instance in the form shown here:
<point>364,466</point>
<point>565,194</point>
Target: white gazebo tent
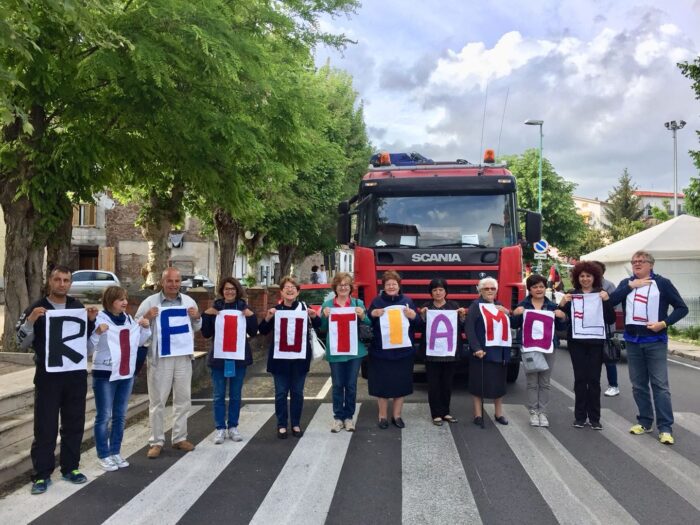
<point>675,245</point>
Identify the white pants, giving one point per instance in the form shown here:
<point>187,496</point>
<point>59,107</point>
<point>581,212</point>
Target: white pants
<point>164,374</point>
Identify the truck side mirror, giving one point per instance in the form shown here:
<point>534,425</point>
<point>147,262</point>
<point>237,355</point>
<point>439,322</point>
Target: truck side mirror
<point>343,229</point>
<point>533,226</point>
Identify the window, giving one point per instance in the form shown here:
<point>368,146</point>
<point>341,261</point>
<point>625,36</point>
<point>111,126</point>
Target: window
<point>83,276</point>
<point>84,215</point>
<point>103,276</point>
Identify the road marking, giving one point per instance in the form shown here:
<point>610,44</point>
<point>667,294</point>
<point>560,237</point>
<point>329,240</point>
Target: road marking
<point>324,390</point>
<point>320,396</point>
<point>304,488</point>
<point>572,493</point>
<point>431,465</point>
<point>21,507</point>
<point>169,496</point>
<point>679,474</point>
<point>684,364</point>
<point>689,421</point>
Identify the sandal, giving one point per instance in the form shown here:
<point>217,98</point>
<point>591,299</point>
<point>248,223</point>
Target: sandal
<point>450,419</point>
<point>437,421</point>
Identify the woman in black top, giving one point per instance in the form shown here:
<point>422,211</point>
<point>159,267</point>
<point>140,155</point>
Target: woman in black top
<point>488,364</point>
<point>440,369</point>
<point>587,354</point>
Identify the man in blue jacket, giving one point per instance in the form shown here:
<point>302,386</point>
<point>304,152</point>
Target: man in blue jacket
<point>645,298</point>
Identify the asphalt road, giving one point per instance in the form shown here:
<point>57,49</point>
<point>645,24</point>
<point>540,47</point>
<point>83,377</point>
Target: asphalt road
<point>422,474</point>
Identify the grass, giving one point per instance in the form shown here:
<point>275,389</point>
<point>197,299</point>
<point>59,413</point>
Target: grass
<point>691,334</point>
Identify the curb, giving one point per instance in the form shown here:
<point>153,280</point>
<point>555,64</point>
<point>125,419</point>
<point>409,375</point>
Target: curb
<point>681,353</point>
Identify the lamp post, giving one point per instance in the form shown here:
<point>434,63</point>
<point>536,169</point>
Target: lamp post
<point>674,126</point>
<point>531,122</point>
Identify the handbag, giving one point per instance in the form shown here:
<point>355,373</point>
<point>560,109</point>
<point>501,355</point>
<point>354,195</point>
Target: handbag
<point>612,348</point>
<point>365,333</point>
<point>318,349</point>
<point>534,362</point>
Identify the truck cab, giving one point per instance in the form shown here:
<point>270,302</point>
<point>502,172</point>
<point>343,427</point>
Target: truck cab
<point>426,219</point>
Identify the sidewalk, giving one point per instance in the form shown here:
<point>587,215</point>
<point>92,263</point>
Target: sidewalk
<point>681,349</point>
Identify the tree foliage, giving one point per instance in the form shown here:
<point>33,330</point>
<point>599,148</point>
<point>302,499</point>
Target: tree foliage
<point>561,225</point>
<point>591,240</point>
<point>691,70</point>
<point>692,197</point>
<point>624,212</point>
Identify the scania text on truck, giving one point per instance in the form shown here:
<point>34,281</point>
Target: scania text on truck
<point>426,219</point>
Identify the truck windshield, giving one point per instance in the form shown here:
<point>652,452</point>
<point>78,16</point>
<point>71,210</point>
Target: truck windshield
<point>438,220</point>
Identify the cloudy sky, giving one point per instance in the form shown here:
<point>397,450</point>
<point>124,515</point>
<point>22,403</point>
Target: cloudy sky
<point>600,73</point>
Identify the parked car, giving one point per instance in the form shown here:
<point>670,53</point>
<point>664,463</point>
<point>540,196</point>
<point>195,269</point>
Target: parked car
<point>315,294</point>
<point>197,281</point>
<point>92,282</point>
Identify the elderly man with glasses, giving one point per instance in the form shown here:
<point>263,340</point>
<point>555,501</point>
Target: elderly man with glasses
<point>645,298</point>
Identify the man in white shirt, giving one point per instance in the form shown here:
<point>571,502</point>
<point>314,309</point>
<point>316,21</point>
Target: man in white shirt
<point>168,373</point>
<point>322,275</point>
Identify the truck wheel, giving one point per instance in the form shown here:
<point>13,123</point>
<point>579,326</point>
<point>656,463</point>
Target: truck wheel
<point>513,371</point>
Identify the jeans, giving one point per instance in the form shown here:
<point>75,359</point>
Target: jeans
<point>111,403</point>
<point>647,364</point>
<point>587,360</point>
<point>291,383</point>
<point>235,386</point>
<point>344,379</point>
<point>538,387</point>
<point>611,372</point>
<point>440,375</point>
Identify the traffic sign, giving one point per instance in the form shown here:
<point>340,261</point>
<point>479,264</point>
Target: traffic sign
<point>541,246</point>
<point>540,256</point>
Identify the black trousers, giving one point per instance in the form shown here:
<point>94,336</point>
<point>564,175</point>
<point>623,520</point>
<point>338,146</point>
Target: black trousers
<point>440,374</point>
<point>60,394</point>
<point>587,360</point>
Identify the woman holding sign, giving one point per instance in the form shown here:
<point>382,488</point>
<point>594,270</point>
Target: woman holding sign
<point>588,310</point>
<point>344,350</point>
<point>538,334</point>
<point>441,340</point>
<point>289,356</point>
<point>488,332</point>
<point>114,342</point>
<point>391,352</point>
<point>228,372</point>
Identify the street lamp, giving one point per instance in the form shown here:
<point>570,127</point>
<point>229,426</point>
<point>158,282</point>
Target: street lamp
<point>531,122</point>
<point>675,126</point>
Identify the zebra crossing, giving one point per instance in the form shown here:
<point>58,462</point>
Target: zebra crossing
<point>421,474</point>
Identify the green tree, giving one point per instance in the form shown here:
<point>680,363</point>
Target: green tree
<point>661,214</point>
<point>692,197</point>
<point>691,70</point>
<point>591,240</point>
<point>561,225</point>
<point>624,211</point>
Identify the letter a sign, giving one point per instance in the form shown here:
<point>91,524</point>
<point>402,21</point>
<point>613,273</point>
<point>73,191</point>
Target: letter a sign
<point>441,333</point>
<point>497,325</point>
<point>66,340</point>
<point>290,334</point>
<point>229,335</point>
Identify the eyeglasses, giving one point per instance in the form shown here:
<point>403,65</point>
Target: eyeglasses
<point>229,289</point>
<point>640,261</point>
<point>290,287</point>
<point>486,289</point>
<point>344,286</point>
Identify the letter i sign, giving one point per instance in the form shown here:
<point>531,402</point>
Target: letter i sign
<point>230,336</point>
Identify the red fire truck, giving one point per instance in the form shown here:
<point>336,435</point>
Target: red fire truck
<point>426,219</point>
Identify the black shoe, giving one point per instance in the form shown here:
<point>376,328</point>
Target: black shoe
<point>398,422</point>
<point>383,424</point>
<point>297,433</point>
<point>282,435</point>
<point>579,424</point>
<point>501,419</point>
<point>595,425</point>
<point>478,420</point>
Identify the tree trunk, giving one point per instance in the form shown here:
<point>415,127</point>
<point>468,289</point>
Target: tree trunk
<point>159,218</point>
<point>59,242</point>
<point>286,255</point>
<point>252,249</point>
<point>35,270</point>
<point>227,230</point>
<point>19,219</point>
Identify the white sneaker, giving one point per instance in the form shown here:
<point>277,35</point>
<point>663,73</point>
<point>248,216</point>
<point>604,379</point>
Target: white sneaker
<point>220,436</point>
<point>612,391</point>
<point>337,426</point>
<point>119,461</point>
<point>107,464</point>
<point>544,422</point>
<point>234,434</point>
<point>534,419</point>
<point>349,425</point>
